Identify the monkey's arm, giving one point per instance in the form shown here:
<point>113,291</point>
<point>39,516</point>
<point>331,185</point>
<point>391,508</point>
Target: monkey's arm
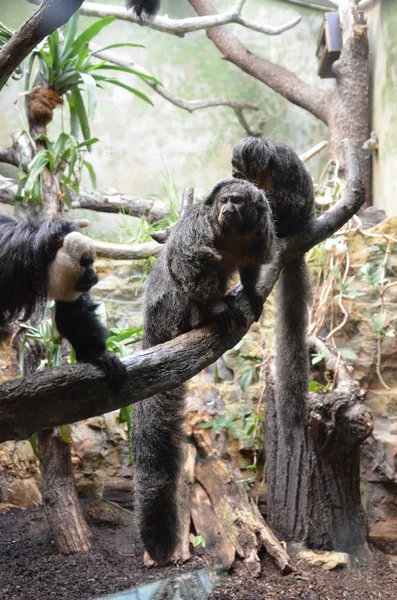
<point>79,324</point>
<point>200,274</point>
<point>249,277</point>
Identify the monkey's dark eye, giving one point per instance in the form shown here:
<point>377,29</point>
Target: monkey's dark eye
<point>86,262</point>
<point>224,200</point>
<point>237,200</point>
<point>237,175</point>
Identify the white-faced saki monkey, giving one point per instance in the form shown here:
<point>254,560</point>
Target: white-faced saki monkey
<point>40,260</point>
<point>275,167</point>
<point>230,231</point>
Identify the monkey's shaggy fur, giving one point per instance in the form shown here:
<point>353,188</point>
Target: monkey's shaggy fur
<point>276,168</point>
<point>144,8</point>
<point>31,272</point>
<point>187,288</point>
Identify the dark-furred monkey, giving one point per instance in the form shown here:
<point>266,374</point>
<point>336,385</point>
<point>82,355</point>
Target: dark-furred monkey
<point>40,260</point>
<point>275,167</point>
<point>230,231</point>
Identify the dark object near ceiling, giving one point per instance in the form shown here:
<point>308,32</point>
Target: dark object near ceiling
<point>329,45</point>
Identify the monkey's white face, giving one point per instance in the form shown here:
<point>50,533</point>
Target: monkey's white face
<point>71,273</point>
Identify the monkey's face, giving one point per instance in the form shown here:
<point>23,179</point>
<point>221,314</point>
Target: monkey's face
<point>72,273</point>
<point>231,210</point>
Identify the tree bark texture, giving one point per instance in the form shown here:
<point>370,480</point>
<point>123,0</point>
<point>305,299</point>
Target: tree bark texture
<point>58,488</point>
<point>313,473</point>
<point>47,17</point>
<point>61,503</point>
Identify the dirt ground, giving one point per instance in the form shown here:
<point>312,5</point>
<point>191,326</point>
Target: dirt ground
<point>31,568</point>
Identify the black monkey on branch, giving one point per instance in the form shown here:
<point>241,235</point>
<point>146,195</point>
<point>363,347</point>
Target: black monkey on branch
<point>274,167</point>
<point>47,259</point>
<point>230,231</point>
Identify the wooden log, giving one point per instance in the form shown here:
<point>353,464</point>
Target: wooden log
<point>231,505</point>
<point>271,543</point>
<point>218,551</point>
<point>182,553</point>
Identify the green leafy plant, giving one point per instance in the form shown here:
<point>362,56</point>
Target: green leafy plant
<point>67,65</point>
<point>65,157</point>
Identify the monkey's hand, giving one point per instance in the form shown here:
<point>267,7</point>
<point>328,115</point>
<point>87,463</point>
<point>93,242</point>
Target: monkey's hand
<point>224,313</point>
<point>256,302</point>
<point>114,369</point>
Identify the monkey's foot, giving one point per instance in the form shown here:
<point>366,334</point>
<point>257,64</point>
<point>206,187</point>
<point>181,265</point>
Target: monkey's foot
<point>114,370</point>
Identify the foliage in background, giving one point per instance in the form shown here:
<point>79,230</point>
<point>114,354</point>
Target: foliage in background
<point>65,64</point>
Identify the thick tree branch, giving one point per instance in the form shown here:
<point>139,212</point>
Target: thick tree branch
<point>112,201</point>
<point>278,78</point>
<point>189,105</point>
<point>180,27</point>
<point>108,201</point>
<point>50,15</point>
<point>126,251</point>
<point>68,394</point>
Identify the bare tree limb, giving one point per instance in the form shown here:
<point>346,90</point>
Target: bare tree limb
<point>313,151</point>
<point>189,105</point>
<point>126,251</point>
<point>108,201</point>
<point>180,27</point>
<point>278,78</point>
<point>112,201</point>
<point>50,15</point>
<point>69,394</point>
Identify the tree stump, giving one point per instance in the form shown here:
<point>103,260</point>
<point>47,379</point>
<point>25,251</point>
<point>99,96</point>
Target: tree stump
<point>313,473</point>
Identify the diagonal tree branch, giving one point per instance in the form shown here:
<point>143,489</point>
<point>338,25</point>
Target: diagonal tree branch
<point>107,201</point>
<point>50,15</point>
<point>68,394</point>
<point>278,78</point>
<point>189,105</point>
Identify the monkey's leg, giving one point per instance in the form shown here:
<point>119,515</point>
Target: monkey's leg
<point>157,437</point>
<point>249,277</point>
<point>79,324</point>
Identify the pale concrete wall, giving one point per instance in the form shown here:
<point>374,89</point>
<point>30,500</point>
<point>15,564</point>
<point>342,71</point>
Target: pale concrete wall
<point>382,21</point>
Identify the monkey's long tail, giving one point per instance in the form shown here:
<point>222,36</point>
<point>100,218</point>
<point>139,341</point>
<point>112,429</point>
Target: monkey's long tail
<point>157,444</point>
<point>292,355</point>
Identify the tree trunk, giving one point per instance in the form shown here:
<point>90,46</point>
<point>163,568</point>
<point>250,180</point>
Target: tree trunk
<point>349,114</point>
<point>61,503</point>
<point>314,477</point>
<point>58,488</point>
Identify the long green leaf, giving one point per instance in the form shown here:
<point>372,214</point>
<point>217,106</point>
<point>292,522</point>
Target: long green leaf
<point>132,72</point>
<point>91,173</point>
<point>74,122</point>
<point>128,88</point>
<point>120,45</point>
<point>89,33</point>
<point>81,113</point>
<point>54,44</point>
<point>70,34</point>
<point>90,86</point>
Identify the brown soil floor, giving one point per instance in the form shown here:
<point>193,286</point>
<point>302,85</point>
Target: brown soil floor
<point>31,568</point>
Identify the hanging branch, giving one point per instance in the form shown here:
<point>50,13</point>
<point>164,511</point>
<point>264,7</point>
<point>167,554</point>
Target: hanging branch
<point>71,393</point>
